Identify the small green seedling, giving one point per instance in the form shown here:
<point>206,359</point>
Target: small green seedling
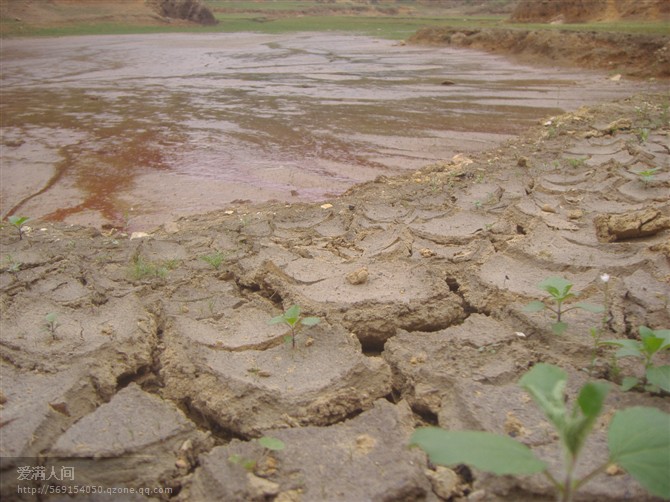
<point>647,176</point>
<point>651,342</point>
<point>247,463</point>
<point>638,438</point>
<point>560,291</point>
<point>142,269</point>
<point>643,135</point>
<point>575,163</point>
<point>50,321</point>
<point>214,259</point>
<point>13,266</point>
<point>293,320</point>
<point>268,443</point>
<point>18,222</point>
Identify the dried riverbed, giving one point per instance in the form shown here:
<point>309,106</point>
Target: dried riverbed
<point>161,367</point>
<point>134,131</point>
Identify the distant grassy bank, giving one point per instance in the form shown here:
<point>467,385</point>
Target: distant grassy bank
<point>397,22</point>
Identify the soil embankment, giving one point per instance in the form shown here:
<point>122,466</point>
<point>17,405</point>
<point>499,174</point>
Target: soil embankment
<point>64,13</point>
<point>579,11</point>
<point>623,53</point>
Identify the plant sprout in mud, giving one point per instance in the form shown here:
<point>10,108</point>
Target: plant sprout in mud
<point>560,290</point>
<point>647,176</point>
<point>596,333</point>
<point>50,322</point>
<point>294,321</point>
<point>644,454</point>
<point>651,342</point>
<point>214,259</point>
<point>269,443</point>
<point>18,222</point>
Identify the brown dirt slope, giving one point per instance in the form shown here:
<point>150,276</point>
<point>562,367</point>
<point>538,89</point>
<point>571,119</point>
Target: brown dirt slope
<point>577,11</point>
<point>629,54</point>
<point>64,12</point>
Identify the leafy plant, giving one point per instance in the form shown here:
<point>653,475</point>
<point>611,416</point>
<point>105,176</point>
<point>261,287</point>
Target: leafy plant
<point>214,259</point>
<point>560,290</point>
<point>651,342</point>
<point>18,222</point>
<point>294,321</point>
<point>270,443</point>
<point>638,438</point>
<point>51,323</point>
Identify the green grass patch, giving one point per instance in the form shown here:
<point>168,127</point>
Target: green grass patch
<point>304,16</point>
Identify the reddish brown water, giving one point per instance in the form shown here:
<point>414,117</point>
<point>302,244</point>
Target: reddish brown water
<point>137,130</point>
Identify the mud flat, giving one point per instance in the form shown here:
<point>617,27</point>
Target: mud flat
<point>161,368</point>
<point>133,131</point>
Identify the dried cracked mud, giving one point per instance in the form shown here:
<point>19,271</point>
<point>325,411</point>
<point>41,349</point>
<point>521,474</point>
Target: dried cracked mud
<point>161,368</point>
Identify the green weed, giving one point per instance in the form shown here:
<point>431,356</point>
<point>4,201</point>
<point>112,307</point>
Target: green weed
<point>18,222</point>
<point>651,343</point>
<point>51,323</point>
<point>294,321</point>
<point>560,290</point>
<point>142,269</point>
<point>214,259</point>
<point>638,438</point>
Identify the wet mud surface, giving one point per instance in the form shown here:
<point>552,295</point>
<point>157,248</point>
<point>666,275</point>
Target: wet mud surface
<point>134,131</point>
<point>161,347</point>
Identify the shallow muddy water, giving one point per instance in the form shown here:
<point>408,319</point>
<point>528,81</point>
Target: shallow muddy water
<point>137,130</point>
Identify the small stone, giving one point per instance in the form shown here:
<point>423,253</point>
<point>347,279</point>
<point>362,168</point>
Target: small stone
<point>289,496</point>
<point>522,162</point>
<point>547,208</point>
<point>171,227</point>
<point>138,235</point>
<point>357,277</point>
<point>614,470</point>
<point>261,488</point>
<point>326,206</point>
<point>622,124</point>
<point>444,481</point>
<point>575,214</point>
<point>60,408</point>
<point>615,78</point>
<point>418,359</point>
<point>365,443</point>
<point>181,463</point>
<point>427,253</point>
<point>513,426</point>
<point>477,495</point>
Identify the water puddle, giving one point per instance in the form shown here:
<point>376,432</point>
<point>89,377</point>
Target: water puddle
<point>136,130</point>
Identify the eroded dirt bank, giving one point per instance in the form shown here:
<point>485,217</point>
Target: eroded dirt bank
<point>158,366</point>
<point>623,53</point>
